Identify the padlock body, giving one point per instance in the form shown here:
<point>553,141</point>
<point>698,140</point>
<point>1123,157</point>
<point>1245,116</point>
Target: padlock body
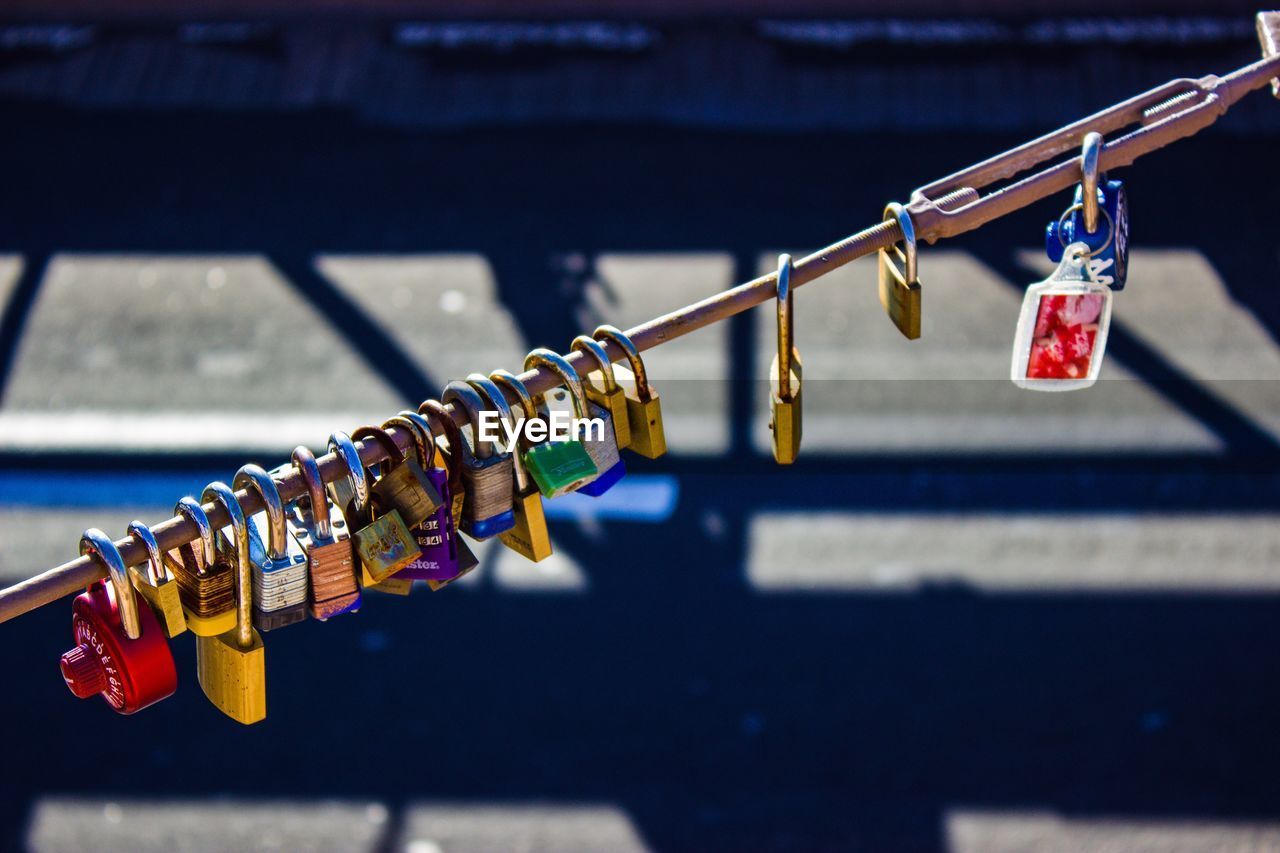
<point>278,584</point>
<point>233,679</point>
<point>529,537</point>
<point>487,528</point>
<point>333,588</point>
<point>466,561</point>
<point>394,585</point>
<point>899,298</point>
<point>385,546</point>
<point>282,618</point>
<point>407,489</point>
<point>437,559</point>
<point>785,421</point>
<point>1110,264</point>
<point>604,453</point>
<point>165,601</point>
<point>208,599</point>
<point>615,402</point>
<point>559,467</point>
<point>132,674</point>
<point>488,484</point>
<point>648,436</point>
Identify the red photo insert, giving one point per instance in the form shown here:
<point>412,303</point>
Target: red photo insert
<point>1062,344</point>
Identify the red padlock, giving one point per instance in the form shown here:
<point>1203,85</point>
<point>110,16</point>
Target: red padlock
<point>121,651</point>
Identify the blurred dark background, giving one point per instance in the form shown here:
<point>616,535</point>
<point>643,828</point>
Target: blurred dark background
<point>970,618</point>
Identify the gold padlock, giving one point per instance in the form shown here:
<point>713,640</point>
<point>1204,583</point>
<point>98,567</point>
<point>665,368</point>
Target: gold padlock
<point>231,667</point>
<point>530,537</point>
<point>900,285</point>
<point>155,585</point>
<point>610,394</point>
<point>644,410</point>
<point>383,544</point>
<point>785,374</point>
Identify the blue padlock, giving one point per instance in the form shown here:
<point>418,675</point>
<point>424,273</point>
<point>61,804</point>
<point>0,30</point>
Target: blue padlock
<point>1109,241</point>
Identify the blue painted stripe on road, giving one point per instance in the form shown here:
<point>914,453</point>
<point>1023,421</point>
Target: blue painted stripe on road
<point>649,498</point>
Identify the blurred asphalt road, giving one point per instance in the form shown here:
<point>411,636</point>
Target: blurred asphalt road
<point>971,618</point>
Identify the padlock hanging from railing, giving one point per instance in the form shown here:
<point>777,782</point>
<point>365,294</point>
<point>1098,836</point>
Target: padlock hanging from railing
<point>958,203</point>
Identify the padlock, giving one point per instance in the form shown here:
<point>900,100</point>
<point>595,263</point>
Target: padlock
<point>402,484</point>
<point>609,394</point>
<point>529,537</point>
<point>436,537</point>
<point>644,410</point>
<point>556,467</point>
<point>600,443</point>
<point>785,374</point>
<point>155,585</point>
<point>280,571</point>
<point>487,473</point>
<point>899,280</point>
<point>382,540</point>
<point>1062,329</point>
<point>448,430</point>
<point>231,667</point>
<point>121,651</point>
<point>322,533</point>
<point>206,584</point>
<point>1096,198</point>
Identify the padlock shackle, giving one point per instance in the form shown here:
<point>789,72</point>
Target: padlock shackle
<point>190,508</point>
<point>304,461</point>
<point>628,347</point>
<point>220,493</point>
<point>435,412</point>
<point>367,433</point>
<point>1091,150</point>
<point>894,212</point>
<point>155,561</point>
<point>253,477</point>
<point>786,327</point>
<point>560,366</point>
<point>592,347</point>
<point>422,433</point>
<point>510,381</point>
<point>98,545</point>
<point>462,394</point>
<point>493,395</point>
<point>341,445</point>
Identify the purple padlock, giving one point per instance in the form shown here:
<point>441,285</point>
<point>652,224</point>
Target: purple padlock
<point>436,537</point>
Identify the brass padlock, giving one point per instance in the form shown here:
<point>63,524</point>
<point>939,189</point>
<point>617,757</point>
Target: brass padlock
<point>644,410</point>
<point>402,484</point>
<point>529,537</point>
<point>610,394</point>
<point>785,374</point>
<point>231,667</point>
<point>384,543</point>
<point>206,583</point>
<point>900,285</point>
<point>155,585</point>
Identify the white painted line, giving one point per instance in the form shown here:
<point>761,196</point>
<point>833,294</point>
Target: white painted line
<point>899,553</point>
<point>139,826</point>
<point>518,826</point>
<point>978,831</point>
<point>175,432</point>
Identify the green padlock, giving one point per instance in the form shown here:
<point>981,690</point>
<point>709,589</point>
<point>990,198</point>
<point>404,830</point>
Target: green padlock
<point>558,467</point>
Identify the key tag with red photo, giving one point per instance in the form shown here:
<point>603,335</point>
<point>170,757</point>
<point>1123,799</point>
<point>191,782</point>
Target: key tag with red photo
<point>1062,330</point>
